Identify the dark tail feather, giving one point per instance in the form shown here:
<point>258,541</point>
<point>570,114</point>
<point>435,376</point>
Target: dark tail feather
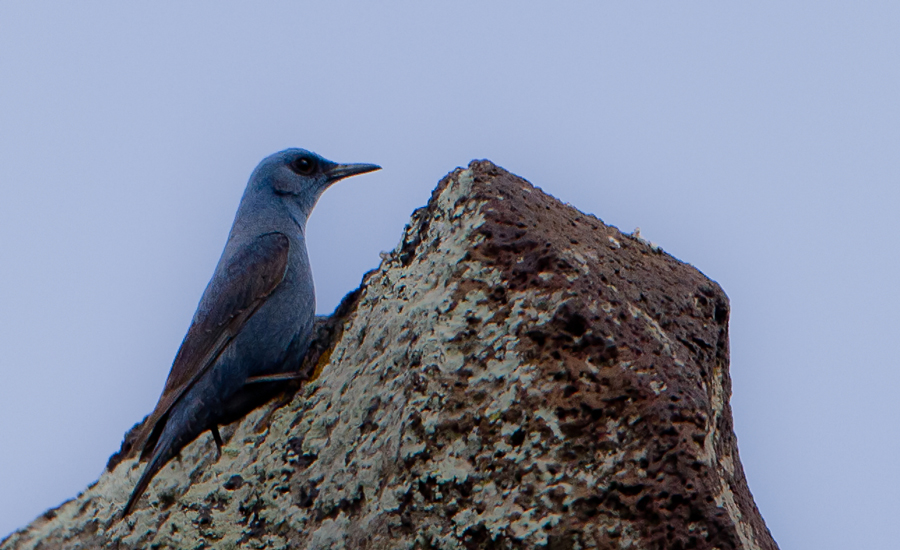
<point>161,456</point>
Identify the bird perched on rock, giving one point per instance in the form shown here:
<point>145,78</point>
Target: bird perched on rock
<point>254,322</point>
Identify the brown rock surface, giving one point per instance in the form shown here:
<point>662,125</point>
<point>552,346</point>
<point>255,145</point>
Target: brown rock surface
<point>515,374</point>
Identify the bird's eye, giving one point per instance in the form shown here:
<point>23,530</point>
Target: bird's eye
<point>303,166</point>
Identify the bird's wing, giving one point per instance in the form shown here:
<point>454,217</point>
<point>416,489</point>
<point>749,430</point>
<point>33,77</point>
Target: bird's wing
<point>245,283</point>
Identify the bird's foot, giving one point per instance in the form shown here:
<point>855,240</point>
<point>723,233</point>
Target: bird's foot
<point>276,377</point>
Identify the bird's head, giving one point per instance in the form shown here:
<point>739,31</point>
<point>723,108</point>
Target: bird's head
<point>300,176</point>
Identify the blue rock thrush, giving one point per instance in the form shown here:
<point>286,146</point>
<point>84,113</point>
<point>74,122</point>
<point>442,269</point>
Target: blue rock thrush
<point>255,320</point>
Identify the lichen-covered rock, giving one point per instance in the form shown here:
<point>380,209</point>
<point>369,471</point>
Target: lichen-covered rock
<point>516,374</point>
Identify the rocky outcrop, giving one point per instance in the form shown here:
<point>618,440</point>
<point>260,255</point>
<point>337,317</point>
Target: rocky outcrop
<point>515,374</point>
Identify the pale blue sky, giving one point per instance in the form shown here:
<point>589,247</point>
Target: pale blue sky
<point>758,142</point>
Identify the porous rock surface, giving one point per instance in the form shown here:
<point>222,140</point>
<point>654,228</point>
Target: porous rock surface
<point>515,374</point>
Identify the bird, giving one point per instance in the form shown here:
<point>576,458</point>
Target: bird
<point>254,322</point>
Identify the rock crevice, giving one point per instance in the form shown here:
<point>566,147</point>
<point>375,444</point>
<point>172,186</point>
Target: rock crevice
<point>515,374</point>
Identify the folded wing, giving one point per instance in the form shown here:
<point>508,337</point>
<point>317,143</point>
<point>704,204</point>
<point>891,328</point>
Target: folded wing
<point>237,290</point>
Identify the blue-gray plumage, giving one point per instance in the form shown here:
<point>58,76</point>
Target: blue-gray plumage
<point>255,319</point>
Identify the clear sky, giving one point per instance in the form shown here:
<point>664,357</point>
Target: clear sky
<point>758,141</point>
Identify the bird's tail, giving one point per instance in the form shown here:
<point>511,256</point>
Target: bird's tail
<point>161,455</point>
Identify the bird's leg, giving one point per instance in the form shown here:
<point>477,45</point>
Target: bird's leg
<point>218,439</point>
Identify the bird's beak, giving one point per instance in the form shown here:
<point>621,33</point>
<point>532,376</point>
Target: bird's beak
<point>341,171</point>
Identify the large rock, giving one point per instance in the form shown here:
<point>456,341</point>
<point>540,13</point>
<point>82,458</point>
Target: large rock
<point>515,374</point>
